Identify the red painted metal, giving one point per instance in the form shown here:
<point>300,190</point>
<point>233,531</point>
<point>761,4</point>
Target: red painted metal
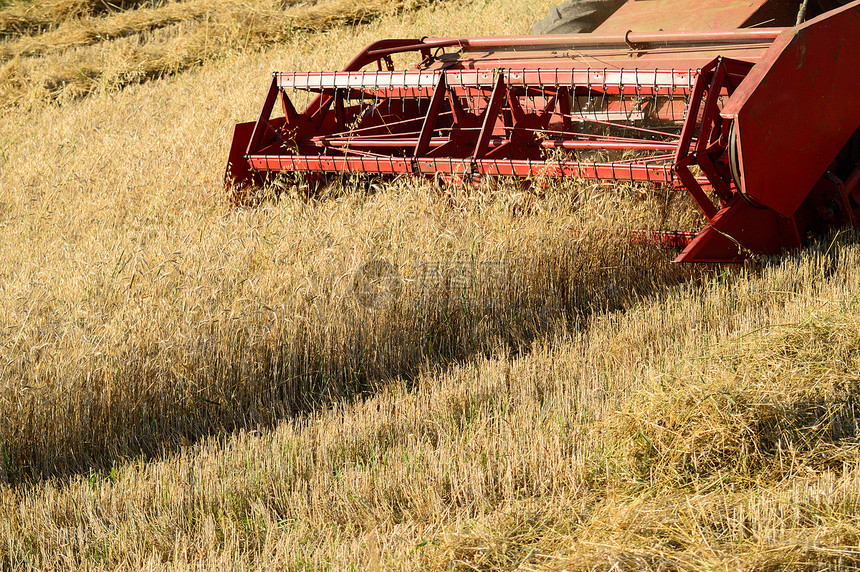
<point>795,114</point>
<point>749,122</point>
<point>655,15</point>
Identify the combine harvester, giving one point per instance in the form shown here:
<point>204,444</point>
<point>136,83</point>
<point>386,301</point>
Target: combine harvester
<point>752,114</point>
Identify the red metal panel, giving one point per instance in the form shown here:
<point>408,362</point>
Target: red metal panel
<point>238,173</point>
<point>792,110</point>
<point>680,15</point>
<point>382,165</point>
<point>736,231</point>
<point>465,166</point>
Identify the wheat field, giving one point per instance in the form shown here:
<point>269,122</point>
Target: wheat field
<point>381,376</point>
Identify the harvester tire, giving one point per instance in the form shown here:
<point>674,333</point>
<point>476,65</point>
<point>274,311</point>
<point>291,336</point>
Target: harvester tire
<point>577,16</point>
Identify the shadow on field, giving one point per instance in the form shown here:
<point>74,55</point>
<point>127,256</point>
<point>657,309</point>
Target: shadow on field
<point>149,401</point>
<point>393,323</point>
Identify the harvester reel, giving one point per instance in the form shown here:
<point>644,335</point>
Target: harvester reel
<point>752,122</point>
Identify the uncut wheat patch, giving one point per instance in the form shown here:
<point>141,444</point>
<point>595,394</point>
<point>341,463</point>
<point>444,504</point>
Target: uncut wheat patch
<point>141,311</point>
<point>136,339</point>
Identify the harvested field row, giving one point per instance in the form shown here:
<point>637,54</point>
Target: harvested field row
<point>91,30</point>
<point>81,55</point>
<point>35,17</point>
